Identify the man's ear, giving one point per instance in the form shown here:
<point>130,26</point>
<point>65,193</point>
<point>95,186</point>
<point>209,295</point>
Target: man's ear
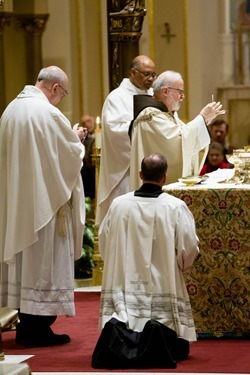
<point>132,72</point>
<point>165,91</point>
<point>54,88</point>
<point>164,179</point>
<point>140,175</point>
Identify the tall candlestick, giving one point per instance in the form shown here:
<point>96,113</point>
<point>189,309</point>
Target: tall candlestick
<point>97,270</point>
<point>98,133</point>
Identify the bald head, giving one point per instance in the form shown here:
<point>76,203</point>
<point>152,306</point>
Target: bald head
<point>142,72</point>
<point>53,82</point>
<point>51,73</point>
<point>153,169</point>
<point>142,60</point>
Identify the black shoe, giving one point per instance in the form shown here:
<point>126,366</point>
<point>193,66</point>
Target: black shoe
<point>42,340</point>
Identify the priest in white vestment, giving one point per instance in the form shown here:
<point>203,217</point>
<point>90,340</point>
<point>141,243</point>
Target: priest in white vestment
<point>117,113</point>
<point>160,130</point>
<point>42,208</point>
<point>147,241</point>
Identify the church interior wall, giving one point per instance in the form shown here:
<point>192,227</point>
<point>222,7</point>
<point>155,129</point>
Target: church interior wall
<point>73,40</point>
<point>14,61</point>
<point>203,53</point>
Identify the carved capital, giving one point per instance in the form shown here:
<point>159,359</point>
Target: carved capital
<point>5,19</point>
<point>32,23</point>
<point>124,27</point>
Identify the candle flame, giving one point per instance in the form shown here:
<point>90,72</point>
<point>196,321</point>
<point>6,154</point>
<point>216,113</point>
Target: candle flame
<point>97,122</point>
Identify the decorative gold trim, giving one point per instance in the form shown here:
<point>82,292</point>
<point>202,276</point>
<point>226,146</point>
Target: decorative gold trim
<point>185,47</point>
<point>151,29</point>
<point>32,22</point>
<point>5,20</point>
<point>79,56</point>
<point>98,268</point>
<point>123,27</point>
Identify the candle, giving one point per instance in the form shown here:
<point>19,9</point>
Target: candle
<point>98,139</point>
<point>98,133</point>
<point>97,122</point>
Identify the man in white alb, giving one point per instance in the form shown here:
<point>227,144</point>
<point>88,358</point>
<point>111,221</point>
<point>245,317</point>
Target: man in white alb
<point>117,114</point>
<point>147,240</point>
<point>42,209</point>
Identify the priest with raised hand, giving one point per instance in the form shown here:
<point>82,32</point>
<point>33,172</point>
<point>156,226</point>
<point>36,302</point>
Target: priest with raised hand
<point>157,128</point>
<point>147,240</point>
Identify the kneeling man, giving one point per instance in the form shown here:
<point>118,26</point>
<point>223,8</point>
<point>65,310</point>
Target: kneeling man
<point>147,240</point>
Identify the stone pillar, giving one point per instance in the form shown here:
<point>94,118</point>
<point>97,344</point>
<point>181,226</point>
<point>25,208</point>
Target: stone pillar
<point>225,71</point>
<point>34,26</point>
<point>125,25</point>
<point>4,21</point>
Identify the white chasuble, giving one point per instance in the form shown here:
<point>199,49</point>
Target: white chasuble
<point>160,132</point>
<point>42,208</point>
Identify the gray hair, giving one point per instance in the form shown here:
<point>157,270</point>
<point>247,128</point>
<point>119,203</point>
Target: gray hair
<point>51,74</point>
<point>167,78</point>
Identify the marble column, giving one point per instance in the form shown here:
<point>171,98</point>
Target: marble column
<point>5,19</point>
<point>34,26</point>
<point>226,41</point>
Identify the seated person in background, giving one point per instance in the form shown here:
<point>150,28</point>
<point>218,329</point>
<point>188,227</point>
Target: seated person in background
<point>218,130</point>
<point>147,240</point>
<point>215,159</point>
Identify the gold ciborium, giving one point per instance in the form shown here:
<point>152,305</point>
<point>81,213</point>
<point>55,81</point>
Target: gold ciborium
<point>236,160</point>
<point>245,158</point>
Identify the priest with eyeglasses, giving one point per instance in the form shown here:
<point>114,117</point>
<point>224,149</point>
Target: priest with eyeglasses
<point>156,127</point>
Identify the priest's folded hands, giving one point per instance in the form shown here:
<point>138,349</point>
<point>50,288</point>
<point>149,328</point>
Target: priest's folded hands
<point>81,132</point>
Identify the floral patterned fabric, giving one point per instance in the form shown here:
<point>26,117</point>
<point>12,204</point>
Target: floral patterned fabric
<point>219,281</point>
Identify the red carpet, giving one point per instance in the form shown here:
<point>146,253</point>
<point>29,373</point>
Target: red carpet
<point>206,356</point>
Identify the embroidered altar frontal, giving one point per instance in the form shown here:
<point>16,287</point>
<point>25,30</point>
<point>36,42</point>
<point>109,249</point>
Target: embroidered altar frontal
<point>218,283</point>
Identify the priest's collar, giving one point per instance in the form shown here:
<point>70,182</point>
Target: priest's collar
<point>141,102</point>
<point>149,190</point>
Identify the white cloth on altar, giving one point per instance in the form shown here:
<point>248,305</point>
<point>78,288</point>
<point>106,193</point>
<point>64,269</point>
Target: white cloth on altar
<point>40,163</point>
<point>117,113</point>
<point>160,132</point>
<point>146,245</point>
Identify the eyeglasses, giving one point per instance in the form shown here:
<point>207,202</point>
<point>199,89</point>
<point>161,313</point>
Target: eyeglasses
<point>65,91</point>
<point>181,92</point>
<point>147,74</point>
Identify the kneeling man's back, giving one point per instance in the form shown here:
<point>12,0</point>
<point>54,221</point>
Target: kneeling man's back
<point>147,240</point>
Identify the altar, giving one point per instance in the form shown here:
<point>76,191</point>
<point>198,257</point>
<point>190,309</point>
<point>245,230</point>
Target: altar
<point>219,281</point>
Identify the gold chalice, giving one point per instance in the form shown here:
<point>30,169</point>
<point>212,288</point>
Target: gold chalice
<point>236,160</point>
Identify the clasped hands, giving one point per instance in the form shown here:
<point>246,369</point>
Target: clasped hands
<point>211,111</point>
<point>81,132</point>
